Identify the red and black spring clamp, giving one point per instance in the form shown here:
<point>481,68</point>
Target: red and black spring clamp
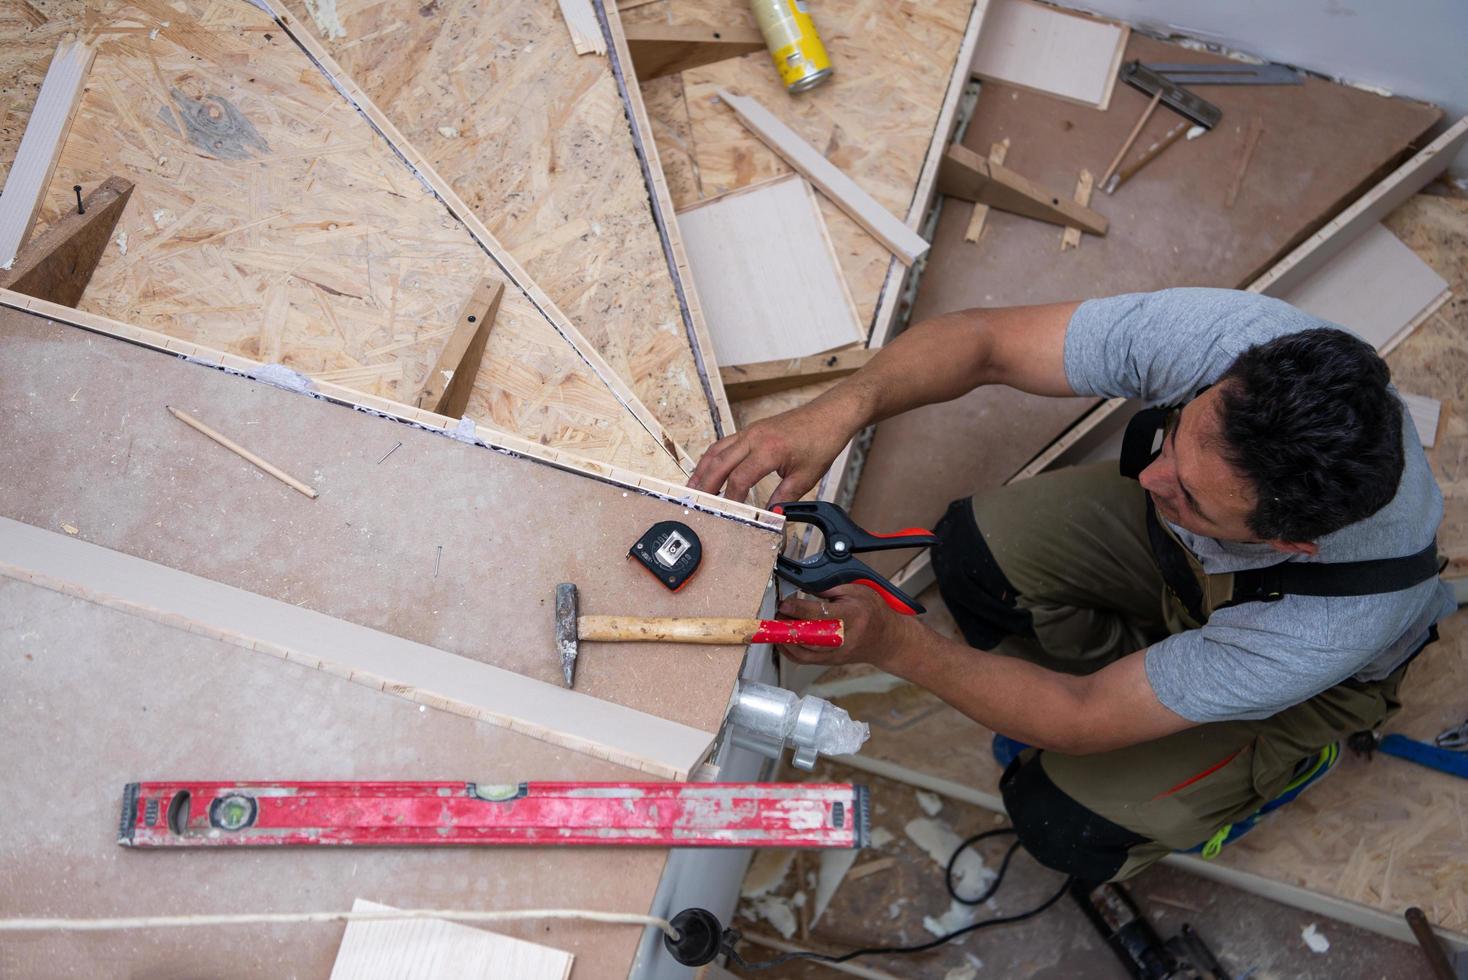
<point>837,564</point>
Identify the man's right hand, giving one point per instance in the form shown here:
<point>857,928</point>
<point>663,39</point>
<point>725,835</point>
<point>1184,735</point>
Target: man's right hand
<point>800,445</point>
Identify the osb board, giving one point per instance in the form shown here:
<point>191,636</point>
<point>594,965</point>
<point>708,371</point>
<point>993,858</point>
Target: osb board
<point>414,534</point>
<point>534,138</point>
<point>1322,144</point>
<point>1386,834</point>
<point>874,119</point>
<point>95,698</point>
<point>291,232</point>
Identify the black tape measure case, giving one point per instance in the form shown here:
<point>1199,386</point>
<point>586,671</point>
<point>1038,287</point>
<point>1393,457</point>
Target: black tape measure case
<point>671,551</point>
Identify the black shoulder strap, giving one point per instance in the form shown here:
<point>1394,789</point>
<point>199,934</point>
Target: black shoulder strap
<point>1342,578</point>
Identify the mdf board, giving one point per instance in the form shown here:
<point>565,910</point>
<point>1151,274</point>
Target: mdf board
<point>1036,47</point>
<point>433,949</point>
<point>1376,286</point>
<point>402,668</point>
<point>766,271</point>
<point>270,220</point>
<point>1322,143</point>
<point>874,120</point>
<point>95,698</point>
<point>414,534</point>
<point>534,138</point>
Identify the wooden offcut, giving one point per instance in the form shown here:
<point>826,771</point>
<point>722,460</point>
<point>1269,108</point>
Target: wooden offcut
<point>40,147</point>
<point>768,275</point>
<point>968,176</point>
<point>451,379</point>
<point>1056,52</point>
<point>1071,237</point>
<point>59,263</point>
<point>434,949</point>
<point>659,50</point>
<point>904,243</point>
<point>767,377</point>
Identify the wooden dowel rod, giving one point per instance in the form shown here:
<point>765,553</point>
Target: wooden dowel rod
<point>1131,138</point>
<point>242,452</point>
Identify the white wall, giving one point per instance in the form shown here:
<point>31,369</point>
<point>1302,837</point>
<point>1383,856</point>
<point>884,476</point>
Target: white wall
<point>1414,48</point>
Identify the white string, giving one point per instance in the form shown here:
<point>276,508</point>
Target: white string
<point>273,918</point>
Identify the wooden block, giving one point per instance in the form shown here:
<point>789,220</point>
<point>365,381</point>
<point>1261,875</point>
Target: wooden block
<point>1043,49</point>
<point>767,274</point>
<point>451,379</point>
<point>964,174</point>
<point>901,240</point>
<point>389,663</point>
<point>40,147</point>
<point>752,380</point>
<point>585,29</point>
<point>1071,237</point>
<point>420,949</point>
<point>58,265</point>
<point>665,49</point>
<point>997,153</point>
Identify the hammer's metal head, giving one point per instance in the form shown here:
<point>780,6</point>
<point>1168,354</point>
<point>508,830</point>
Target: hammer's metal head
<point>566,629</point>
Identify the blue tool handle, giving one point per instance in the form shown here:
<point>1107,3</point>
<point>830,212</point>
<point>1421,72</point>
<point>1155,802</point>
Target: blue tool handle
<point>1443,760</point>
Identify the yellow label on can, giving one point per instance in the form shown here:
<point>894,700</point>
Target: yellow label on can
<point>795,45</point>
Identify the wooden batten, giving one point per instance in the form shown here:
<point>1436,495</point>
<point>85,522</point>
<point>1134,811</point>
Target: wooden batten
<point>58,265</point>
<point>40,147</point>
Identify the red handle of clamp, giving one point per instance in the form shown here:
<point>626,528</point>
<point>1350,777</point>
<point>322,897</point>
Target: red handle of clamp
<point>907,532</point>
<point>891,600</point>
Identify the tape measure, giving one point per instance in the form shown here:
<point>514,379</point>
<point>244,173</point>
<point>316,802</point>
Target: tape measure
<point>671,551</point>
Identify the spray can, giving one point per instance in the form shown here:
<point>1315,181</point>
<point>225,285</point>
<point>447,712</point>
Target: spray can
<point>794,44</point>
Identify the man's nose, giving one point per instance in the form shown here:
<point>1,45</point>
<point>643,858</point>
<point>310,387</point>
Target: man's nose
<point>1156,478</point>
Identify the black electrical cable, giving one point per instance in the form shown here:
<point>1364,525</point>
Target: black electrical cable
<point>952,892</point>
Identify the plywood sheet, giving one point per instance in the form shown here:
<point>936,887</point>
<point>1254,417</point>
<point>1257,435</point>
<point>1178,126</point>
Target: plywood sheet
<point>95,698</point>
<point>1168,228</point>
<point>433,949</point>
<point>413,534</point>
<point>767,274</point>
<point>1375,286</point>
<point>534,138</point>
<point>874,120</point>
<point>1040,48</point>
<point>270,220</point>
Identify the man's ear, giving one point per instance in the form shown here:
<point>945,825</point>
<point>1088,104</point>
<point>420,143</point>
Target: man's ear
<point>1295,547</point>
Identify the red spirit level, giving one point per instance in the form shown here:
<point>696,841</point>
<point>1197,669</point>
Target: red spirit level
<point>263,814</point>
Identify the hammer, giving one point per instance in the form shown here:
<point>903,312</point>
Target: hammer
<point>571,628</point>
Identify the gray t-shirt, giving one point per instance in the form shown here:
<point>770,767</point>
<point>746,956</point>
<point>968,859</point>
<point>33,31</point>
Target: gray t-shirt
<point>1258,658</point>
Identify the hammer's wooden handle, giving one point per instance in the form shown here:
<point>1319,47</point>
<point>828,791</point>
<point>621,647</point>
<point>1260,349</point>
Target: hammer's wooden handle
<point>693,629</point>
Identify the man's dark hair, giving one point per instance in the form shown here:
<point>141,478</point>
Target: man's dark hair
<point>1309,420</point>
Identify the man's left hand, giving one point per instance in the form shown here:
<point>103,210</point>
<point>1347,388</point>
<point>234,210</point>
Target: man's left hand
<point>873,631</point>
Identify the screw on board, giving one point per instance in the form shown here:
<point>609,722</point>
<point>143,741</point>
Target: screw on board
<point>389,453</point>
<point>80,209</point>
<point>438,556</point>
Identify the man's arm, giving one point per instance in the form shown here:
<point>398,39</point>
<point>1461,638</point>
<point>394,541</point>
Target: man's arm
<point>1110,709</point>
<point>932,361</point>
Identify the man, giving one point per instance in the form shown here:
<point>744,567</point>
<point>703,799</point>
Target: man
<point>1169,690</point>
